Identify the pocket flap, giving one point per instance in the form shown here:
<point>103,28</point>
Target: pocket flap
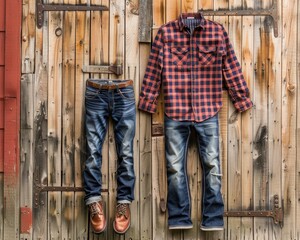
<point>179,50</point>
<point>207,49</point>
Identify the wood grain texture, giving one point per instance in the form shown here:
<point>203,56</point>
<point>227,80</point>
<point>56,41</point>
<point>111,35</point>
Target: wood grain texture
<point>275,122</point>
<point>55,122</point>
<point>28,36</point>
<point>289,108</point>
<point>247,64</point>
<point>260,121</point>
<point>132,71</point>
<point>26,160</point>
<point>68,121</point>
<point>82,58</point>
<point>40,130</point>
<point>146,169</point>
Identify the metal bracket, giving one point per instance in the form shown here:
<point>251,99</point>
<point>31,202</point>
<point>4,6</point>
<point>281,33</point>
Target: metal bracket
<point>276,213</point>
<point>272,12</point>
<point>115,69</point>
<point>41,8</point>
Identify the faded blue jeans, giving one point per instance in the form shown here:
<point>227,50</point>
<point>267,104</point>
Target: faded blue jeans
<point>176,140</point>
<point>100,104</point>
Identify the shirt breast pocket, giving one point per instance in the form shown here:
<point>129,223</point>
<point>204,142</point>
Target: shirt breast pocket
<point>207,54</point>
<point>179,55</point>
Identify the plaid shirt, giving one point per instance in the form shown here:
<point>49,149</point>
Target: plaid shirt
<point>193,59</point>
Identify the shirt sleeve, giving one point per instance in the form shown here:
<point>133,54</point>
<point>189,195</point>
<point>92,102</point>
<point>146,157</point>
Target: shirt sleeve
<point>152,78</point>
<point>234,79</point>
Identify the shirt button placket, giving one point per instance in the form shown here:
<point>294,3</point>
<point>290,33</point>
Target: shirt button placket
<point>192,75</point>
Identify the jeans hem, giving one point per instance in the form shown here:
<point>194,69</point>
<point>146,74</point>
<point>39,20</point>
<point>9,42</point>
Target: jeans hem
<point>93,199</point>
<point>180,227</point>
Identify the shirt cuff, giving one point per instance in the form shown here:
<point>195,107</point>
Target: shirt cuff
<point>147,105</point>
<point>243,105</point>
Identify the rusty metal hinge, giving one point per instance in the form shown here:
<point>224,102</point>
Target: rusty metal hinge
<point>41,8</point>
<point>271,12</point>
<point>276,213</point>
<point>115,69</point>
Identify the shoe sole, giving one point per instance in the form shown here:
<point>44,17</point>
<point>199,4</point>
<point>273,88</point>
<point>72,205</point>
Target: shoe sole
<point>180,227</point>
<point>123,231</point>
<point>211,228</point>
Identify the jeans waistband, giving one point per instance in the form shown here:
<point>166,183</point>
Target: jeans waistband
<point>108,84</point>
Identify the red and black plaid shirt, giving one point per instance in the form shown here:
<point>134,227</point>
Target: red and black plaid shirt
<point>193,59</point>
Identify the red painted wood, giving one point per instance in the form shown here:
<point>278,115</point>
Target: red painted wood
<point>11,150</point>
<point>2,48</point>
<point>2,15</point>
<point>1,82</point>
<point>12,48</point>
<point>26,219</point>
<point>2,113</point>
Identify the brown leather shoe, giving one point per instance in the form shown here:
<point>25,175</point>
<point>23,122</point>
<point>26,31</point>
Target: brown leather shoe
<point>122,219</point>
<point>97,217</point>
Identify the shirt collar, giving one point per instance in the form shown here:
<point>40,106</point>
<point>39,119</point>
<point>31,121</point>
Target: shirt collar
<point>195,15</point>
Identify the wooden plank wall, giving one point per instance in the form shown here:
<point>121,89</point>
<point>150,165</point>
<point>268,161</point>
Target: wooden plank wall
<point>2,63</point>
<point>260,148</point>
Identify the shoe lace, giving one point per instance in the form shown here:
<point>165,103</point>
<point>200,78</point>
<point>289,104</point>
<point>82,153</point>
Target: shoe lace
<point>95,208</point>
<point>121,209</point>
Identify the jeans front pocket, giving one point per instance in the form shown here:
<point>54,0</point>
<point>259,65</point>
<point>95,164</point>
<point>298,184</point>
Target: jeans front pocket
<point>91,93</point>
<point>127,93</point>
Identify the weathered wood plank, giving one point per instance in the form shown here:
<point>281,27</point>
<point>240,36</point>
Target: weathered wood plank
<point>40,143</point>
<point>260,122</point>
<point>234,200</point>
<point>55,122</point>
<point>145,20</point>
<point>289,85</point>
<point>144,156</point>
<point>28,36</point>
<point>298,127</point>
<point>275,121</point>
<point>11,170</point>
<point>159,187</point>
<point>247,131</point>
<point>189,6</point>
<point>26,160</point>
<point>132,71</point>
<point>116,56</point>
<point>68,123</point>
<point>82,58</point>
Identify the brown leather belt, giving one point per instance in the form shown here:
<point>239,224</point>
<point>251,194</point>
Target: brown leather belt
<point>109,84</point>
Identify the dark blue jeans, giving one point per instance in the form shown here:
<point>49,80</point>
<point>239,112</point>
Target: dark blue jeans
<point>176,139</point>
<point>118,103</point>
